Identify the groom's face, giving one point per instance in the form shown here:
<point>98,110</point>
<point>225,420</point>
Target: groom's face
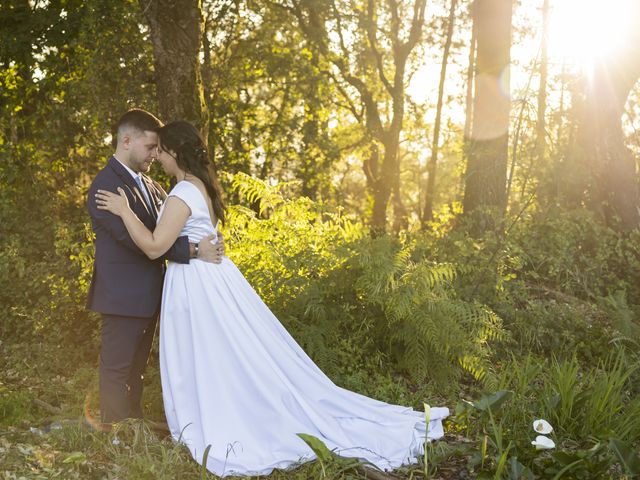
<point>143,150</point>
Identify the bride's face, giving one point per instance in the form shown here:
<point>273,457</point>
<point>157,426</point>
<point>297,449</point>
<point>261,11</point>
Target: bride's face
<point>167,159</point>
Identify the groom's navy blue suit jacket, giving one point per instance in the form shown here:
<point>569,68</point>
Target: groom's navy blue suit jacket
<point>125,281</point>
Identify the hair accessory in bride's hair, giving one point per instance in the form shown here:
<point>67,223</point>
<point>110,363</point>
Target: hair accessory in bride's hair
<point>196,149</point>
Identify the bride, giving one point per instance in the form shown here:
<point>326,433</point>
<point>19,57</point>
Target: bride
<point>233,379</point>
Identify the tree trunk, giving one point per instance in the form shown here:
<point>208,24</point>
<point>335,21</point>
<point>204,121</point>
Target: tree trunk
<point>381,191</point>
<point>383,178</point>
<point>614,187</point>
<point>433,161</point>
<point>541,125</point>
<point>400,213</point>
<point>470,79</point>
<point>485,179</point>
<point>312,163</point>
<point>389,177</point>
<point>207,64</point>
<point>176,33</point>
<point>468,117</point>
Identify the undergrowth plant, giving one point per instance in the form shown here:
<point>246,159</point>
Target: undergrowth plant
<point>328,279</point>
<point>594,416</point>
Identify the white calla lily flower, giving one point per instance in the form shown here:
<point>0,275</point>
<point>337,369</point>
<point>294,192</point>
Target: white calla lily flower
<point>542,426</point>
<point>427,412</point>
<point>543,443</point>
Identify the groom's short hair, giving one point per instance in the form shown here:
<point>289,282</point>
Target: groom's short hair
<point>137,120</point>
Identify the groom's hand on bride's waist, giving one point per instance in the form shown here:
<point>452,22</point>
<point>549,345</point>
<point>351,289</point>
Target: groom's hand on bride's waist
<point>211,252</point>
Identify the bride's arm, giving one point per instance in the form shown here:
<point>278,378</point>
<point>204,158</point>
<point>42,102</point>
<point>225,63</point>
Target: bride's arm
<point>153,244</point>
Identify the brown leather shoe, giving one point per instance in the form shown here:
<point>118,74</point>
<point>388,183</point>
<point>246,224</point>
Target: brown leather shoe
<point>160,428</point>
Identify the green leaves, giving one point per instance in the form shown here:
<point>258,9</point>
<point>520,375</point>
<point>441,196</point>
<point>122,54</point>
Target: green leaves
<point>626,455</point>
<point>75,457</point>
<point>318,447</point>
<point>205,458</point>
<point>329,277</point>
<point>330,463</point>
<point>493,401</point>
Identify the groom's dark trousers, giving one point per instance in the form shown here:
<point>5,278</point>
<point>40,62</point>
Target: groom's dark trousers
<point>126,289</point>
<point>126,343</point>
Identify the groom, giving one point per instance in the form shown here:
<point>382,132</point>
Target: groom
<point>126,286</point>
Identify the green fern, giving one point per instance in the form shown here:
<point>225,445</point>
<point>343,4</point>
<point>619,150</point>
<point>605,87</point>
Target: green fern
<point>423,312</point>
<point>326,279</point>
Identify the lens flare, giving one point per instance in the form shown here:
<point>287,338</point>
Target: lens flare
<point>581,31</point>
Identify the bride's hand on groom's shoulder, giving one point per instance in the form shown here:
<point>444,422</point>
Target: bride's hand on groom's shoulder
<point>115,203</point>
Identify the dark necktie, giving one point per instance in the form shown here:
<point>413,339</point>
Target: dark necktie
<point>143,190</point>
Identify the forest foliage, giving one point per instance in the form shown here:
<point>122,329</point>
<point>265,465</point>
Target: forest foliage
<point>506,312</point>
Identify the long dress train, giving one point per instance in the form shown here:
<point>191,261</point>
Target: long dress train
<point>233,378</point>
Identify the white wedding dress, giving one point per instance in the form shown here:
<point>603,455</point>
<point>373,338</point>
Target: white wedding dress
<point>234,379</point>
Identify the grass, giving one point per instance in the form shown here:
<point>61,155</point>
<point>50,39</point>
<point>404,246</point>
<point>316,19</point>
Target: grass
<point>595,411</point>
<point>43,432</point>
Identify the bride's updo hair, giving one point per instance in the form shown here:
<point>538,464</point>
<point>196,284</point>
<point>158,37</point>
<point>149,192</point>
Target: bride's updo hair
<point>192,156</point>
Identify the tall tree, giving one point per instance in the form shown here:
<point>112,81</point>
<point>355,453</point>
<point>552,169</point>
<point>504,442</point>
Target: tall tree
<point>541,125</point>
<point>468,110</point>
<point>471,71</point>
<point>433,161</point>
<point>612,166</point>
<point>485,178</point>
<point>176,34</point>
<point>369,47</point>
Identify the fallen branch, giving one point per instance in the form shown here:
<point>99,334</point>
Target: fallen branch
<point>47,406</point>
<point>376,475</point>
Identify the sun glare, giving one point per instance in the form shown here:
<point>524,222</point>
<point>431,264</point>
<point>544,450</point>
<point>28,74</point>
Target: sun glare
<point>581,31</point>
